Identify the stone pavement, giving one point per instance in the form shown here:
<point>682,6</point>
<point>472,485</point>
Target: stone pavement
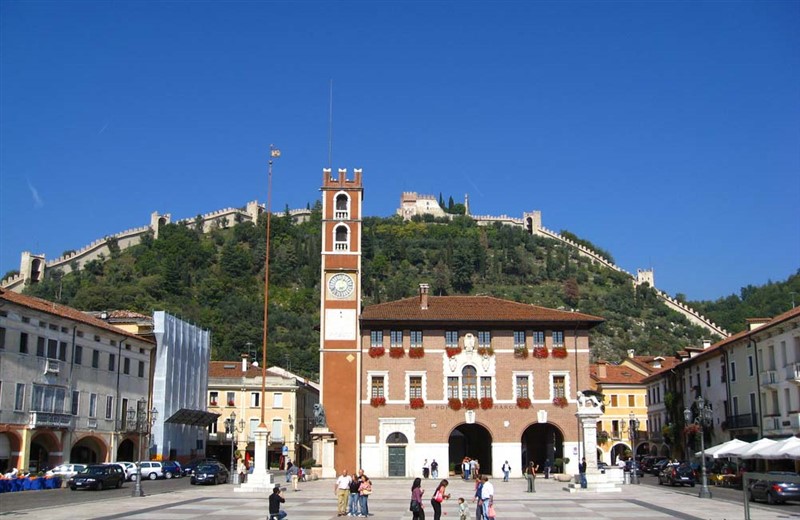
<point>316,501</point>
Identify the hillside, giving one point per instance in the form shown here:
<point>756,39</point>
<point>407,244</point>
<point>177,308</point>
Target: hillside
<point>216,280</point>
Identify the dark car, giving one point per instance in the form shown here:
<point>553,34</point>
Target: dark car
<point>630,465</point>
<point>656,468</point>
<point>171,468</point>
<point>775,491</point>
<point>648,461</point>
<point>674,474</point>
<point>189,468</point>
<point>209,473</point>
<point>98,476</point>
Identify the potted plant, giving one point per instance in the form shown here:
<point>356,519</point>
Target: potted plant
<point>560,353</point>
<point>471,403</point>
<point>452,351</point>
<point>486,351</point>
<point>416,352</point>
<point>378,401</point>
<point>602,437</point>
<point>396,352</point>
<point>523,402</point>
<point>486,403</point>
<point>454,403</point>
<point>416,403</point>
<point>561,402</point>
<point>376,352</point>
<point>521,352</point>
<point>540,352</point>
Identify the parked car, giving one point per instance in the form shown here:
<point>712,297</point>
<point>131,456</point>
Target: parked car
<point>66,471</point>
<point>656,468</point>
<point>189,468</point>
<point>209,473</point>
<point>151,469</point>
<point>674,474</point>
<point>171,469</point>
<point>774,491</point>
<point>98,476</point>
<point>630,464</point>
<point>128,468</point>
<point>648,461</point>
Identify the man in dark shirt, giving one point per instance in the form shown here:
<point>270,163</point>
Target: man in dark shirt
<point>275,501</point>
<point>582,472</point>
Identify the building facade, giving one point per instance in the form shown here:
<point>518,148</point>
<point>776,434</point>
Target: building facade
<point>68,385</point>
<point>235,387</point>
<point>450,377</point>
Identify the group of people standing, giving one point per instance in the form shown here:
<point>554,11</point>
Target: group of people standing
<point>471,468</point>
<point>484,497</point>
<point>352,493</point>
<point>431,469</point>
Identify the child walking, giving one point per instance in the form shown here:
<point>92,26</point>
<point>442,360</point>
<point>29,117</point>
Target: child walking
<point>462,509</point>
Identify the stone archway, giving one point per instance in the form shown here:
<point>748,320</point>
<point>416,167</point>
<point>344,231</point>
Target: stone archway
<point>88,450</point>
<point>9,451</point>
<point>126,450</point>
<point>542,442</point>
<point>396,444</point>
<point>617,452</point>
<point>642,450</point>
<point>473,441</point>
<point>665,451</point>
<point>42,445</point>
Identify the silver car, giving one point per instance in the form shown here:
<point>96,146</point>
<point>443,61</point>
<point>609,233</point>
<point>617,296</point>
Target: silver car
<point>66,471</point>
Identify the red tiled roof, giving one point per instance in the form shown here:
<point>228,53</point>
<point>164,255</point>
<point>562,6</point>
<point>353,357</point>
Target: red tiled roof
<point>56,309</point>
<point>234,369</point>
<point>471,309</point>
<point>616,374</point>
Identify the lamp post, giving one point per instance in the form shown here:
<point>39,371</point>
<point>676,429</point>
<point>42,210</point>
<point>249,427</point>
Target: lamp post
<point>231,428</point>
<point>144,422</point>
<point>703,419</point>
<point>633,427</point>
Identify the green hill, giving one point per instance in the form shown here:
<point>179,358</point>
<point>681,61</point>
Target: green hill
<point>216,280</point>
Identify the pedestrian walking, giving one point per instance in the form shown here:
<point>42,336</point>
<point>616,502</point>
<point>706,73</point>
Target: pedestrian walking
<point>462,509</point>
<point>530,476</point>
<point>275,501</point>
<point>434,469</point>
<point>341,489</point>
<point>487,496</point>
<point>547,467</point>
<point>426,469</point>
<point>416,500</point>
<point>506,470</point>
<point>477,498</point>
<point>465,468</point>
<point>294,473</point>
<point>364,491</point>
<point>439,496</point>
<point>289,467</point>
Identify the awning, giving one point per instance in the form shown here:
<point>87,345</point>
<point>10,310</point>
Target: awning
<point>193,417</point>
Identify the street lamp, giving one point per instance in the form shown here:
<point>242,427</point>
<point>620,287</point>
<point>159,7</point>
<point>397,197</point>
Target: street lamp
<point>232,429</point>
<point>703,419</point>
<point>633,427</point>
<point>143,426</point>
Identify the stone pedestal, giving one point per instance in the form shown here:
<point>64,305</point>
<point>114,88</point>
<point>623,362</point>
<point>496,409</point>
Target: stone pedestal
<point>322,446</point>
<point>260,480</point>
<point>589,411</point>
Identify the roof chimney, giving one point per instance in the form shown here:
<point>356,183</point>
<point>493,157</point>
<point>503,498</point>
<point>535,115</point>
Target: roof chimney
<point>423,296</point>
<point>706,343</point>
<point>245,357</point>
<point>754,323</point>
<point>631,352</point>
<point>602,372</point>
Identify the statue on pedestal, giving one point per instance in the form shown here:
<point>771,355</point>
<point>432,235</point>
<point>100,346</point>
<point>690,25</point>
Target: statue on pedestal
<point>319,416</point>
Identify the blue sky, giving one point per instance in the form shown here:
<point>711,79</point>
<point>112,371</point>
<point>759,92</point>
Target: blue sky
<point>667,133</point>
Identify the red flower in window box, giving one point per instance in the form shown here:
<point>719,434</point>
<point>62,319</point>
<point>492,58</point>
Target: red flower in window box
<point>559,353</point>
<point>231,402</point>
<point>523,402</point>
<point>561,402</point>
<point>416,352</point>
<point>521,352</point>
<point>486,403</point>
<point>416,403</point>
<point>471,403</point>
<point>452,351</point>
<point>485,351</point>
<point>375,352</point>
<point>213,403</point>
<point>378,401</point>
<point>396,352</point>
<point>540,352</point>
<point>454,403</point>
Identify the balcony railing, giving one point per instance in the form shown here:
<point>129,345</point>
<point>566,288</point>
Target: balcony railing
<point>52,366</point>
<point>50,420</point>
<point>747,420</point>
<point>793,372</point>
<point>340,215</point>
<point>769,377</point>
<point>772,423</point>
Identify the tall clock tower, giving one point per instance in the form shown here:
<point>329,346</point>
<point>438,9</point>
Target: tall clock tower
<point>340,304</point>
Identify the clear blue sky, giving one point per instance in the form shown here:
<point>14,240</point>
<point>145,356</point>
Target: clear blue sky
<point>667,133</point>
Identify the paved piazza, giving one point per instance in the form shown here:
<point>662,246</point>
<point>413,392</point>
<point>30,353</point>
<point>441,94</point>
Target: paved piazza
<point>316,501</point>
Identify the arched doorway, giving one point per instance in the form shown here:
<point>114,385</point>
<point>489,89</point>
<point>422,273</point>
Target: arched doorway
<point>619,452</point>
<point>642,450</point>
<point>88,450</point>
<point>665,451</point>
<point>541,442</point>
<point>42,445</point>
<point>126,451</point>
<point>5,453</point>
<point>599,455</point>
<point>396,444</point>
<point>473,441</point>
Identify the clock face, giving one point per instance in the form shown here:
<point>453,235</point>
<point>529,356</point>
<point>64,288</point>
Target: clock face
<point>341,285</point>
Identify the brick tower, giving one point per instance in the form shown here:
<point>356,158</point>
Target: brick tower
<point>340,304</point>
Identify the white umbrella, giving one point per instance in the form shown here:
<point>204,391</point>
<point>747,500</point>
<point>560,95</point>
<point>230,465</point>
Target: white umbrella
<point>750,451</point>
<point>719,450</point>
<point>786,449</point>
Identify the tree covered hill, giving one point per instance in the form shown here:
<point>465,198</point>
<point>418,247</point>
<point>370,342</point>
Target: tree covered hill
<point>216,280</point>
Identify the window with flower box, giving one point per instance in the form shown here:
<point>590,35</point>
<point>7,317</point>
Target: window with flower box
<point>376,339</point>
<point>451,339</point>
<point>414,387</point>
<point>212,398</point>
<point>558,339</point>
<point>522,386</point>
<point>559,386</point>
<point>538,338</point>
<point>415,350</point>
<point>484,339</point>
<point>469,382</point>
<point>486,386</point>
<point>519,339</point>
<point>452,388</point>
<point>231,398</point>
<point>396,339</point>
<point>377,387</point>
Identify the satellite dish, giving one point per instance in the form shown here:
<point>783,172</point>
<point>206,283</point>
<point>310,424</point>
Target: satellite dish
<point>254,363</point>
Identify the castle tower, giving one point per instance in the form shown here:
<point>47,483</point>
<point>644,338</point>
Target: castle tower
<point>32,267</point>
<point>340,304</point>
<point>466,204</point>
<point>645,276</point>
<point>533,221</point>
<point>157,220</point>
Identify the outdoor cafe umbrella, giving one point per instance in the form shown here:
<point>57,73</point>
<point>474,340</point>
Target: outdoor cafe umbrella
<point>719,450</point>
<point>785,449</point>
<point>749,451</point>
